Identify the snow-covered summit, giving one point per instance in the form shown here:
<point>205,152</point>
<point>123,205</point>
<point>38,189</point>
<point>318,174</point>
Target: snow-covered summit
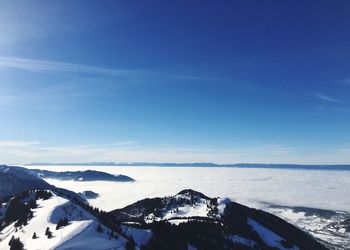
<point>187,203</point>
<point>192,218</point>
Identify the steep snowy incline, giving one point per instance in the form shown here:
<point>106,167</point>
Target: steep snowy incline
<point>80,233</point>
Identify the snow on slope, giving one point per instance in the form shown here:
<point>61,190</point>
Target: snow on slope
<point>79,234</point>
<point>198,209</point>
<point>243,241</point>
<point>140,236</point>
<point>188,204</point>
<point>270,238</point>
<point>89,239</point>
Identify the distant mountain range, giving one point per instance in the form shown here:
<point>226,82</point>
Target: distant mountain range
<point>88,175</point>
<point>14,180</point>
<point>344,167</point>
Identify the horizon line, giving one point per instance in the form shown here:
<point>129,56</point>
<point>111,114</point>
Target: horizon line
<point>170,164</point>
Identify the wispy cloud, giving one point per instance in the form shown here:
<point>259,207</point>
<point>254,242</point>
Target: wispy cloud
<point>345,81</point>
<point>198,78</point>
<point>53,66</point>
<point>14,144</point>
<point>327,98</point>
<point>48,66</point>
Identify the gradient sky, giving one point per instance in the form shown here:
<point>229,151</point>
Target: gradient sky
<point>185,81</point>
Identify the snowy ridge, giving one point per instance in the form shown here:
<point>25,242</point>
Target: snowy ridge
<point>78,234</point>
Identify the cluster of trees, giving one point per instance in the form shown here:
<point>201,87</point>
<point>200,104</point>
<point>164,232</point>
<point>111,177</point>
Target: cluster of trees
<point>18,211</point>
<point>200,234</point>
<point>15,244</point>
<point>62,223</point>
<point>48,233</point>
<point>213,207</point>
<point>43,194</point>
<point>112,235</point>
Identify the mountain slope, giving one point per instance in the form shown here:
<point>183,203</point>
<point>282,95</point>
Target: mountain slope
<point>192,219</point>
<point>12,184</point>
<point>83,230</point>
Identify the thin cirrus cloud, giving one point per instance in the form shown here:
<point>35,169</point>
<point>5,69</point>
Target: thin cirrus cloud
<point>327,98</point>
<point>53,66</point>
<point>12,144</point>
<point>35,65</point>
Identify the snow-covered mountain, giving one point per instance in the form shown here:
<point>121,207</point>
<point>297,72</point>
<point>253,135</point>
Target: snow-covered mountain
<point>187,203</point>
<point>54,222</point>
<point>187,220</point>
<point>194,220</point>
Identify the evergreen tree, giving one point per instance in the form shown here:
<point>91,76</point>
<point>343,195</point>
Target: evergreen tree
<point>110,234</point>
<point>34,236</point>
<point>48,233</point>
<point>16,244</point>
<point>62,223</point>
<point>32,204</point>
<point>130,245</point>
<point>42,194</point>
<point>99,228</point>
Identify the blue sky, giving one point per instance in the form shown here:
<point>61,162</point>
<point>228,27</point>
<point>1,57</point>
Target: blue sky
<point>226,82</point>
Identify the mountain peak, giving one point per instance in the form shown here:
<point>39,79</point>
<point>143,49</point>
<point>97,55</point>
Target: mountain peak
<point>193,193</point>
